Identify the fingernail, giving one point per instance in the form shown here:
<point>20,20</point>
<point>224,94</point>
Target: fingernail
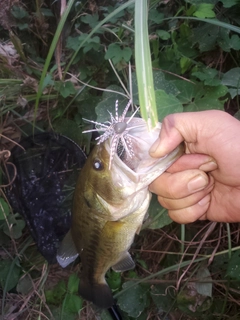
<point>154,147</point>
<point>209,166</point>
<point>205,200</point>
<point>197,183</point>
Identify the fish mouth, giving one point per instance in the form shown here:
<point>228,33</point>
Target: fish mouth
<point>132,153</point>
<point>133,147</point>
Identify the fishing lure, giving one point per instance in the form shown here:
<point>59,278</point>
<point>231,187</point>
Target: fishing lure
<point>118,130</point>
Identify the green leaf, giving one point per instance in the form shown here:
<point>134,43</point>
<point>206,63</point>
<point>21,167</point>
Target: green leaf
<point>72,303</point>
<point>126,54</point>
<point>235,42</point>
<point>206,37</point>
<point>116,17</point>
<point>87,107</point>
<point>107,104</point>
<point>56,295</point>
<point>70,129</point>
<point>73,42</point>
<point>8,282</point>
<point>160,83</point>
<point>204,10</point>
<point>47,81</point>
<point>220,263</point>
<point>134,300</point>
<point>162,300</point>
<point>4,209</point>
<point>233,269</point>
<point>116,53</point>
<point>208,76</point>
<point>65,88</point>
<point>191,302</point>
<point>25,285</point>
<point>197,97</point>
<point>92,43</point>
<point>155,16</point>
<point>17,225</point>
<point>19,12</point>
<point>209,38</point>
<point>73,283</point>
<point>232,79</point>
<point>185,64</point>
<point>224,41</point>
<point>208,98</point>
<point>164,35</point>
<point>114,280</point>
<point>23,26</point>
<point>157,215</point>
<point>236,115</point>
<point>58,313</point>
<point>204,288</point>
<point>187,91</point>
<point>46,12</point>
<point>105,315</point>
<point>166,104</point>
<point>92,20</point>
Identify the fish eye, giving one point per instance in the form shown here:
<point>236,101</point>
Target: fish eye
<point>97,164</point>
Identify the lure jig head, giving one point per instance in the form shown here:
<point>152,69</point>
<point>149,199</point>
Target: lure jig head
<point>117,129</point>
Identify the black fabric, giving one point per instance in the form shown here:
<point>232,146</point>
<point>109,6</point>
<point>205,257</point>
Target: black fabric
<point>43,189</point>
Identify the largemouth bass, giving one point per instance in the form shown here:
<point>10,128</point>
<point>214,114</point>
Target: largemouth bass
<point>110,203</point>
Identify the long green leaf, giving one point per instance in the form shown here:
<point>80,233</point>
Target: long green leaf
<point>143,62</point>
<point>210,21</point>
<point>51,51</point>
<point>173,268</point>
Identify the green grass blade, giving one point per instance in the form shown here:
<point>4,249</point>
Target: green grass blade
<point>143,62</point>
<point>210,21</point>
<point>229,240</point>
<point>172,268</point>
<point>51,51</point>
<point>25,244</point>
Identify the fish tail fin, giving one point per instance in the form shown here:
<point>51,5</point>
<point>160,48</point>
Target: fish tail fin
<point>98,293</point>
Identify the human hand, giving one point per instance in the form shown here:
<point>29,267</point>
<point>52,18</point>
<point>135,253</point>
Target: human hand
<point>212,140</point>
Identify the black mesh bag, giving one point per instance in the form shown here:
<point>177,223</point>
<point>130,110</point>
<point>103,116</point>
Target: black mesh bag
<point>42,192</point>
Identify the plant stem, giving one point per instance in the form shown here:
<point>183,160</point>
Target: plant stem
<point>229,241</point>
<point>183,229</point>
<point>143,62</point>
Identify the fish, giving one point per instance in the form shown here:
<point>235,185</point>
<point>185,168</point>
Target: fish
<point>111,201</point>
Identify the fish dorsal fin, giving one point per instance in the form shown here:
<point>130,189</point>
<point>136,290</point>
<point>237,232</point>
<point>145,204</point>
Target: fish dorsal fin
<point>126,263</point>
<point>67,251</point>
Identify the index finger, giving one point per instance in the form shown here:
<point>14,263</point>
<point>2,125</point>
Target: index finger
<point>195,128</point>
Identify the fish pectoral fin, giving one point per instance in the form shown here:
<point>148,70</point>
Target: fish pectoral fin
<point>67,251</point>
<point>126,263</point>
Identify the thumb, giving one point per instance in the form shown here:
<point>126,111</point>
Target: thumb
<point>171,135</point>
<point>187,127</point>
